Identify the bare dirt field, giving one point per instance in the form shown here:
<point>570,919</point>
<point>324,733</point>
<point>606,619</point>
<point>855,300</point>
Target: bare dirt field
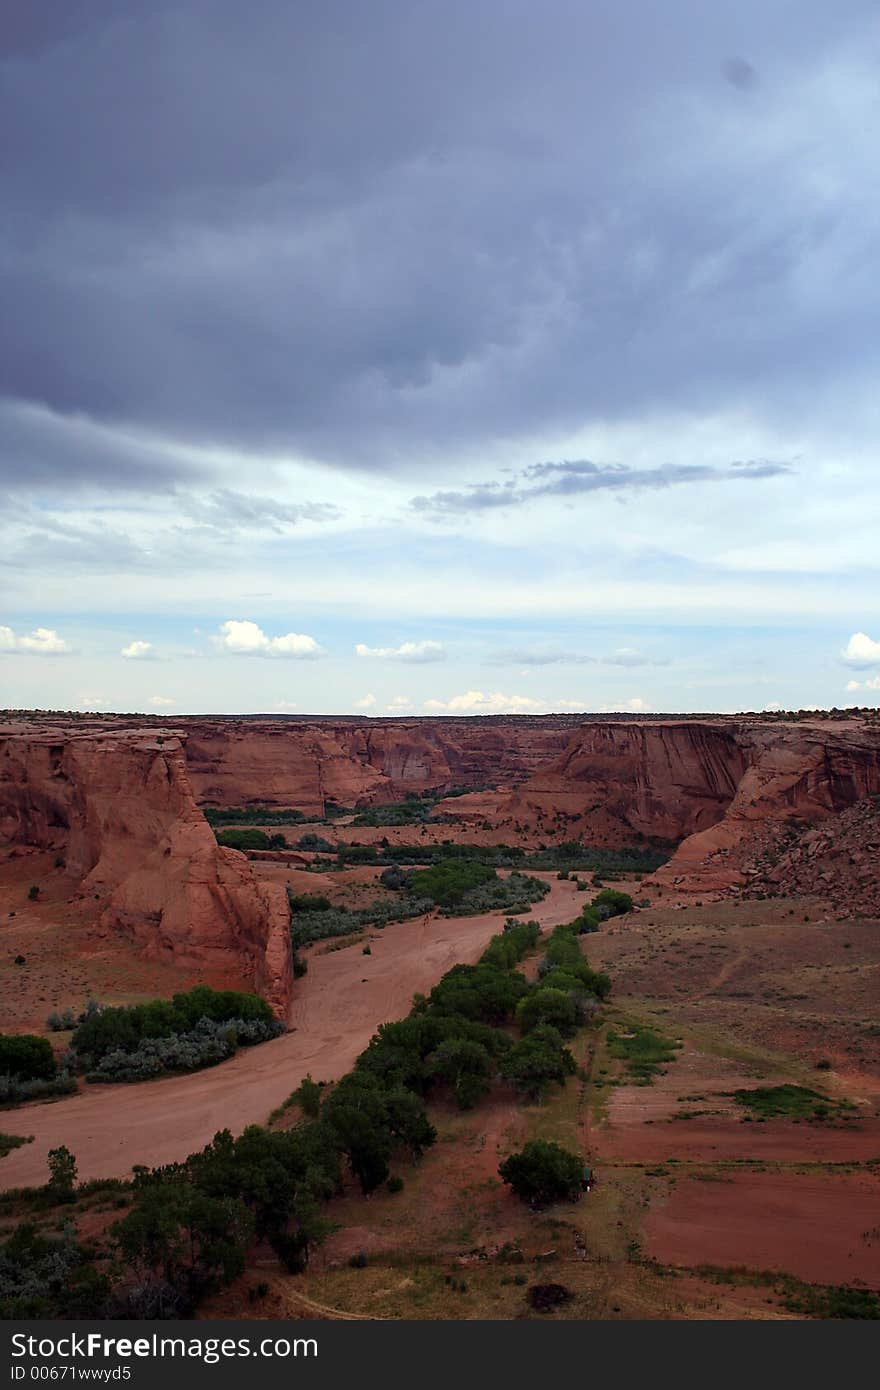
<point>824,1228</point>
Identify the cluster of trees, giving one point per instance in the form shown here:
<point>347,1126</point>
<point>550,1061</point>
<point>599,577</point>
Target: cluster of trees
<point>462,887</point>
<point>252,815</point>
<point>29,1070</point>
<point>194,1029</point>
<point>413,810</point>
<point>568,857</point>
<point>245,839</point>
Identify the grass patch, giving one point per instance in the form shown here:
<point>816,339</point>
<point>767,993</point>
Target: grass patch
<point>791,1102</point>
<point>643,1050</point>
<point>826,1301</point>
<point>8,1142</point>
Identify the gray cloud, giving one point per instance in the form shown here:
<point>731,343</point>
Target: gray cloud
<point>539,656</point>
<point>369,233</point>
<point>572,479</point>
<point>227,510</point>
<point>739,73</point>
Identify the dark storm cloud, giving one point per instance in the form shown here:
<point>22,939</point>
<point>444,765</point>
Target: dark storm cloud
<point>574,478</point>
<point>367,233</point>
<point>44,450</point>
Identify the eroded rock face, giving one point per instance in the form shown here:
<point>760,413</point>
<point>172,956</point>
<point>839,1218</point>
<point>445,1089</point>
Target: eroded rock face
<point>359,762</point>
<point>664,779</point>
<point>795,776</point>
<point>120,807</point>
<point>122,799</point>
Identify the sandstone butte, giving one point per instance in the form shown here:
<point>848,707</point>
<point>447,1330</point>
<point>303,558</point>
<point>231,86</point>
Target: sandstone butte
<point>121,797</point>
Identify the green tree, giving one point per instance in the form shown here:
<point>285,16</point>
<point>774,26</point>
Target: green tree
<point>547,1005</point>
<point>467,1065</point>
<point>308,1094</point>
<point>180,1234</point>
<point>539,1059</point>
<point>62,1173</point>
<point>26,1057</point>
<point>543,1172</point>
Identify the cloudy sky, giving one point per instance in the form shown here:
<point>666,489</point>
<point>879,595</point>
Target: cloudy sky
<point>432,355</point>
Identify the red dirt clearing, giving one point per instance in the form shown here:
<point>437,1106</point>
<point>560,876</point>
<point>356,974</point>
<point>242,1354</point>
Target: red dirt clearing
<point>825,1229</point>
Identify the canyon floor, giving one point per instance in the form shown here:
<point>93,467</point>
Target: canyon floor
<point>697,1212</point>
<point>754,953</point>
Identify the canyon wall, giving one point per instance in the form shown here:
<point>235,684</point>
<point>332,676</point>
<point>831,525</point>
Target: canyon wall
<point>359,762</point>
<point>796,776</point>
<point>119,806</point>
<point>120,799</point>
<point>616,781</point>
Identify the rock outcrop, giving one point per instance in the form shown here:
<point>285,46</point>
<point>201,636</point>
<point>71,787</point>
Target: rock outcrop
<point>119,806</point>
<point>796,776</point>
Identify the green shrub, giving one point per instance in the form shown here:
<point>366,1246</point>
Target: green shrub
<point>309,902</point>
<point>615,902</point>
<point>250,839</point>
<point>308,1096</point>
<point>446,884</point>
<point>643,1049</point>
<point>124,1029</point>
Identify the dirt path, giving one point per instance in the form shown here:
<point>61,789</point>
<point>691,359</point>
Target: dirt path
<point>336,1009</point>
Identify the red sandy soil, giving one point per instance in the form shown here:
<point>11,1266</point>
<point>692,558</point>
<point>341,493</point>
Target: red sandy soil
<point>336,1008</point>
<point>824,1228</point>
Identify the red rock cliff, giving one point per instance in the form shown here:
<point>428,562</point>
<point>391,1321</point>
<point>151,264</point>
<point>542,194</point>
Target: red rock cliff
<point>121,805</point>
<point>303,763</point>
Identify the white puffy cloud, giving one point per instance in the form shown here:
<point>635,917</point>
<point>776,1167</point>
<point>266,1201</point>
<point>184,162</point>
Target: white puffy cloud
<point>400,702</point>
<point>407,651</point>
<point>139,651</point>
<point>161,701</point>
<point>636,704</point>
<point>43,641</point>
<point>244,638</point>
<point>480,702</point>
<point>861,651</point>
<point>366,702</point>
<point>283,706</point>
<point>871,683</point>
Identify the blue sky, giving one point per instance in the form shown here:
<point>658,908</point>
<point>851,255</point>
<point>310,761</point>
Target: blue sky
<point>435,359</point>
